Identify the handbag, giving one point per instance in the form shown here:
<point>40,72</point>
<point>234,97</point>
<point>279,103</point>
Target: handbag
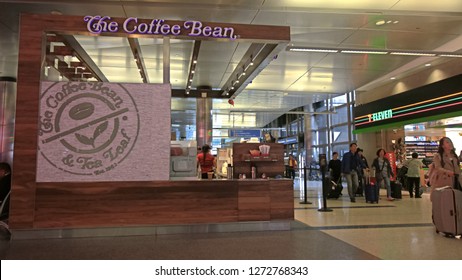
<point>457,184</point>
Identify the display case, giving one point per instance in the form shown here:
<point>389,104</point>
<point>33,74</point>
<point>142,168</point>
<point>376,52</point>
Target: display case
<point>183,160</point>
<point>224,157</point>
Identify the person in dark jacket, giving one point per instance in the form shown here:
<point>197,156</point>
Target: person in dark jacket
<point>351,164</point>
<point>383,171</point>
<point>335,168</point>
<point>362,175</point>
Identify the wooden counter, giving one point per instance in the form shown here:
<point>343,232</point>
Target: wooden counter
<point>77,205</point>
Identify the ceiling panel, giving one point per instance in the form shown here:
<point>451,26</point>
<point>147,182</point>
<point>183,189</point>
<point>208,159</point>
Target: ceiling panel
<point>396,40</point>
<point>290,80</point>
<point>332,4</point>
<point>205,11</point>
<point>429,6</point>
<point>319,37</point>
<point>302,18</point>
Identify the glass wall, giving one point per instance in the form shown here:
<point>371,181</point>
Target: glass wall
<point>331,129</point>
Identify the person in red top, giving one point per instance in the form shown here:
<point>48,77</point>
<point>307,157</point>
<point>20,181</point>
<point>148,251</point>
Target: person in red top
<point>206,161</point>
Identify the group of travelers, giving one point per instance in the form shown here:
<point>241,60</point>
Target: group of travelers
<point>356,170</point>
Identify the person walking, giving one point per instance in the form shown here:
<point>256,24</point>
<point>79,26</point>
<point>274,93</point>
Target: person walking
<point>362,173</point>
<point>335,168</point>
<point>383,171</point>
<point>351,163</point>
<point>414,166</point>
<point>446,166</point>
<point>293,164</point>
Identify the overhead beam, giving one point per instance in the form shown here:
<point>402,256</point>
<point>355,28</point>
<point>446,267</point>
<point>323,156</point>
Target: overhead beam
<point>136,50</point>
<point>192,65</point>
<point>257,57</point>
<point>198,93</point>
<point>83,56</point>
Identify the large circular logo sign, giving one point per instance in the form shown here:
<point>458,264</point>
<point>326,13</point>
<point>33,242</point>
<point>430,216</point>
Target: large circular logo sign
<point>87,128</point>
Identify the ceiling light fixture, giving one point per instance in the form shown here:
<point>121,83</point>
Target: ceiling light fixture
<point>412,53</point>
<point>297,49</point>
<point>364,51</point>
<point>376,51</point>
<point>380,22</point>
<point>450,55</point>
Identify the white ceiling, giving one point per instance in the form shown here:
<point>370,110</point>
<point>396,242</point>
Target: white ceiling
<point>289,81</point>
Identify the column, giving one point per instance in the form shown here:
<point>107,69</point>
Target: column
<point>204,123</point>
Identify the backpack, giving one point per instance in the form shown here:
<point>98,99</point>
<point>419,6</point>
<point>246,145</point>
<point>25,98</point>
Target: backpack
<point>402,172</point>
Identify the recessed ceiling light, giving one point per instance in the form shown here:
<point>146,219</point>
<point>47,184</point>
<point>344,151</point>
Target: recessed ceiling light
<point>56,13</point>
<point>380,22</point>
<point>393,78</point>
<point>428,64</point>
<point>396,21</point>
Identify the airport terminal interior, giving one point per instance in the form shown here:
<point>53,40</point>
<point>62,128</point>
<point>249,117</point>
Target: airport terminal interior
<point>298,87</point>
<point>388,230</point>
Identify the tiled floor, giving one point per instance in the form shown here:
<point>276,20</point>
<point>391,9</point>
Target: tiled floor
<point>395,230</point>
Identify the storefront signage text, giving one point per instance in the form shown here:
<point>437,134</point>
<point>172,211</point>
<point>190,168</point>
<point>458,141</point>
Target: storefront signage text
<point>101,24</point>
<point>387,114</point>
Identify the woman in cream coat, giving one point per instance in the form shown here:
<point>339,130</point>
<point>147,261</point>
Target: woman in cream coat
<point>446,165</point>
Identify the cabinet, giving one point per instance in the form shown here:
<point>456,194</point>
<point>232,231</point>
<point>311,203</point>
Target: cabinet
<point>425,149</point>
<point>272,165</point>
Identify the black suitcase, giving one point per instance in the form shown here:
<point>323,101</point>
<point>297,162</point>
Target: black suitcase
<point>361,183</point>
<point>335,189</point>
<point>359,190</point>
<point>372,191</point>
<point>396,188</point>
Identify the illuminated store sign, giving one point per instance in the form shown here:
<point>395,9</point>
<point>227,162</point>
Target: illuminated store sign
<point>430,102</point>
<point>387,114</point>
<point>131,25</point>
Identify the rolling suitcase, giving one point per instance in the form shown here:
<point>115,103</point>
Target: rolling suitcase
<point>396,188</point>
<point>371,191</point>
<point>447,211</point>
<point>335,189</point>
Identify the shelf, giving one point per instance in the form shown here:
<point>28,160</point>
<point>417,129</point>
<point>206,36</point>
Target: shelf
<point>425,149</point>
<point>272,165</point>
<point>249,158</point>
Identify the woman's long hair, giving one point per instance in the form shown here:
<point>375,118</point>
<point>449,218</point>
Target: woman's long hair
<point>441,149</point>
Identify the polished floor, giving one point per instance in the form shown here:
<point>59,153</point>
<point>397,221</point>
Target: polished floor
<point>398,230</point>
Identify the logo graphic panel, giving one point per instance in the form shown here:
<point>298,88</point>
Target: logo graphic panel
<point>87,128</point>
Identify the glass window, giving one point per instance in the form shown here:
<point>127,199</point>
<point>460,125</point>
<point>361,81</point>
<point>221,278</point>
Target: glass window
<point>339,100</point>
<point>341,149</point>
<point>322,136</point>
<point>340,134</point>
<point>321,121</point>
<point>341,116</point>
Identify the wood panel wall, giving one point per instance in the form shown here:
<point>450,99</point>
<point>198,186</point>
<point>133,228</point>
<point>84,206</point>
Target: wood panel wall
<point>85,204</point>
<point>79,205</point>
